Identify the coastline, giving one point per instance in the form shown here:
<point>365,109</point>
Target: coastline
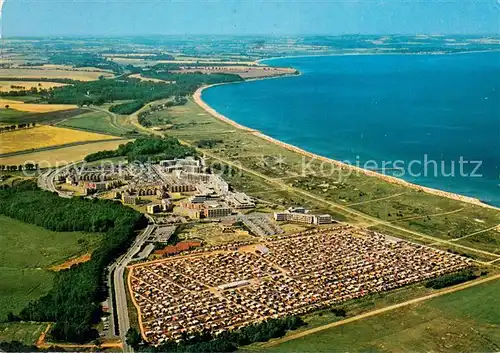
<point>260,61</point>
<point>197,97</point>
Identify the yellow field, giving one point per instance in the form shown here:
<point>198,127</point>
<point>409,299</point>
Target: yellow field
<point>44,136</point>
<point>35,108</point>
<point>5,86</point>
<point>74,74</point>
<point>62,156</point>
<point>147,78</point>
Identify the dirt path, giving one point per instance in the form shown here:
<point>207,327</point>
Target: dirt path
<point>381,311</point>
<point>475,233</point>
<point>380,199</point>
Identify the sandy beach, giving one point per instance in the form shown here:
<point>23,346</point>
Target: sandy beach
<point>197,96</point>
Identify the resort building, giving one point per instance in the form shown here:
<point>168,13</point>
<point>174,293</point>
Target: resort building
<point>239,200</point>
<point>301,215</point>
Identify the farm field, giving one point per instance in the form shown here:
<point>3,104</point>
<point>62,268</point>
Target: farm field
<point>464,321</point>
<point>49,73</point>
<point>96,121</point>
<point>26,253</point>
<point>8,114</point>
<point>146,78</point>
<point>62,156</point>
<point>44,136</point>
<point>6,86</point>
<point>33,107</point>
<point>25,332</point>
<point>11,116</point>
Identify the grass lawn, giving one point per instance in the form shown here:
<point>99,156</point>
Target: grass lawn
<point>26,253</point>
<point>467,321</point>
<point>95,121</point>
<point>9,113</point>
<point>26,332</point>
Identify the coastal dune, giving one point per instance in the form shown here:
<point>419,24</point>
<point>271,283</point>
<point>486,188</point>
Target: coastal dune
<point>197,96</point>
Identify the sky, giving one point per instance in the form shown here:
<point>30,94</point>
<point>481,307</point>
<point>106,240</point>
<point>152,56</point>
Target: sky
<point>249,17</point>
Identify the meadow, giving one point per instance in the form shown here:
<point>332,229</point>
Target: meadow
<point>97,121</point>
<point>11,116</point>
<point>44,136</point>
<point>25,332</point>
<point>34,107</point>
<point>48,73</point>
<point>63,155</point>
<point>27,251</point>
<point>463,321</point>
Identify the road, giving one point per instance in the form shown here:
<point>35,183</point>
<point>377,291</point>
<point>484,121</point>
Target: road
<point>46,180</point>
<point>382,310</point>
<point>119,288</point>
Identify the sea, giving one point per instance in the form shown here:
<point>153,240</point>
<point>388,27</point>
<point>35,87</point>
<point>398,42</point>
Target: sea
<point>433,120</point>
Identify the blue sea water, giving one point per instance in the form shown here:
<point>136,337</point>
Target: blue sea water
<point>378,108</point>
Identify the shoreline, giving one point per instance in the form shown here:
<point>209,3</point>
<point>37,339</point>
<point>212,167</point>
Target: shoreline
<point>273,58</point>
<point>197,97</point>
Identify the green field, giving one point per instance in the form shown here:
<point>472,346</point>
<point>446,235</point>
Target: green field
<point>9,113</point>
<point>26,253</point>
<point>464,321</point>
<point>25,332</point>
<point>96,121</point>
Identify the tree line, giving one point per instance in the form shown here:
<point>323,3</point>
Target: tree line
<point>451,279</point>
<point>145,149</point>
<point>127,108</point>
<point>73,303</point>
<point>20,167</point>
<point>16,127</point>
<point>85,60</point>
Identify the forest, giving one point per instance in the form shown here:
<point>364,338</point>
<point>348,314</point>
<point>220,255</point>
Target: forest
<point>125,88</point>
<point>127,108</point>
<point>73,303</point>
<point>146,149</point>
<point>451,279</point>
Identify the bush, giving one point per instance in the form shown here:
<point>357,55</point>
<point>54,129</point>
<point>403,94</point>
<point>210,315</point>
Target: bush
<point>126,108</point>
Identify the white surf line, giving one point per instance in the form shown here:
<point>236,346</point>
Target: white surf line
<point>475,233</point>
